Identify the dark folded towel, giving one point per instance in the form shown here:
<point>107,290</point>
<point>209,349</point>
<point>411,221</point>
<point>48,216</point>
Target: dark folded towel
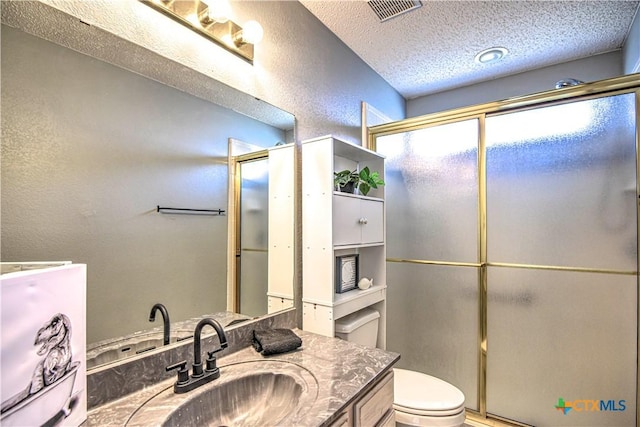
<point>275,341</point>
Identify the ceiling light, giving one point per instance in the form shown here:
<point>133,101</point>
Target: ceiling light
<point>491,55</point>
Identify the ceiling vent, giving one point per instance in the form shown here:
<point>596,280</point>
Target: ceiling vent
<point>387,9</point>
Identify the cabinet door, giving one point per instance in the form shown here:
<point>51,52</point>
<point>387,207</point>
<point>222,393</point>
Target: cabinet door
<point>346,220</point>
<point>373,408</point>
<point>389,420</point>
<point>372,224</point>
<point>357,221</point>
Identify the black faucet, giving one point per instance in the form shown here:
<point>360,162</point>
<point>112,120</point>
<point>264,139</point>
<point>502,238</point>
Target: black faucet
<point>199,376</point>
<point>165,318</point>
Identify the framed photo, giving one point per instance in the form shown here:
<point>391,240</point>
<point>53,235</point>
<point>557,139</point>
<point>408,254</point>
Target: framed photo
<point>346,273</point>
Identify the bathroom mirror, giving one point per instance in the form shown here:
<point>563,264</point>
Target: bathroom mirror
<point>97,134</point>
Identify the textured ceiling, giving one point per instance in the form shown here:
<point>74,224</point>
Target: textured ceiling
<point>432,48</point>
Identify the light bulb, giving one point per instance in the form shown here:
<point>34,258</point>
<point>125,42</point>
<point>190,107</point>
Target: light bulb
<point>252,32</point>
<point>219,11</point>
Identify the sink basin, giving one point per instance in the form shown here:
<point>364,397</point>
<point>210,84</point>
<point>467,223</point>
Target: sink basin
<point>255,393</point>
<point>121,349</point>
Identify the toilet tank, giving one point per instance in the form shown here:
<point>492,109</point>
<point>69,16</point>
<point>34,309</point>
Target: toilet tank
<point>360,327</point>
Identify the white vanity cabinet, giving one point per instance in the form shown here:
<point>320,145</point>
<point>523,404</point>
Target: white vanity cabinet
<point>338,224</point>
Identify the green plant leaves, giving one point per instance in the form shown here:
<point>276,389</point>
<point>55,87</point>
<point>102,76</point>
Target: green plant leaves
<point>342,178</point>
<point>364,180</point>
<point>364,188</point>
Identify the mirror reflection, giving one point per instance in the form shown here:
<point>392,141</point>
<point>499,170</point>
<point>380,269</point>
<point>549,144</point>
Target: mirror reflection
<point>89,151</point>
<point>252,234</point>
<point>262,208</point>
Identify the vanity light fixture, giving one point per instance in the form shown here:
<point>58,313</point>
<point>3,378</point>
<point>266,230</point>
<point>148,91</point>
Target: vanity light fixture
<point>493,54</point>
<point>251,33</point>
<point>212,21</point>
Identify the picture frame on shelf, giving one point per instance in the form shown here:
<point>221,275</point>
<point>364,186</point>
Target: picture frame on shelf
<point>347,273</point>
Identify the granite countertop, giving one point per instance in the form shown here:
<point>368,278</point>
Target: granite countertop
<point>341,371</point>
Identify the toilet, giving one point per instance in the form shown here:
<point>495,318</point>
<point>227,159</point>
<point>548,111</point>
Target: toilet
<point>420,400</point>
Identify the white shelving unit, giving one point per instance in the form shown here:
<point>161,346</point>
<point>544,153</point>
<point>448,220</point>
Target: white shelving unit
<point>336,224</point>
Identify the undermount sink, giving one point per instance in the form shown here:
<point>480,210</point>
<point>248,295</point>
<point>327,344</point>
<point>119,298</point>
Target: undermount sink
<point>255,393</point>
<point>120,349</point>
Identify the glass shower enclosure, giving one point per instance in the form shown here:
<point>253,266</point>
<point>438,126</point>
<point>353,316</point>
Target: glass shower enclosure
<point>513,256</point>
<point>252,256</point>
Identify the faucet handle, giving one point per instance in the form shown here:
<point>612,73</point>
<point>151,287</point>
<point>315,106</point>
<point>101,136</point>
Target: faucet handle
<point>183,372</point>
<point>211,360</point>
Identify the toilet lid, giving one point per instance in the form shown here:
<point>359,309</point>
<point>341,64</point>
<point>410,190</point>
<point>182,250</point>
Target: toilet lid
<point>416,392</point>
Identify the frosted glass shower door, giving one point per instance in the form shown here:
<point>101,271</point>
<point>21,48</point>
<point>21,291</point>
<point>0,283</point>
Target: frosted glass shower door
<point>562,255</point>
<point>432,243</point>
<point>254,226</point>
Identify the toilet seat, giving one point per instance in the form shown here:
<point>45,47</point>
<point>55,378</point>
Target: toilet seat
<point>421,394</point>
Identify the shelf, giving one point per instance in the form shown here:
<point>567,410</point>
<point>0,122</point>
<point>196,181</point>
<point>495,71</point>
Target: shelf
<point>352,301</point>
<point>356,293</point>
<point>355,300</point>
<point>354,152</point>
<point>348,150</point>
<point>357,246</point>
<point>357,196</point>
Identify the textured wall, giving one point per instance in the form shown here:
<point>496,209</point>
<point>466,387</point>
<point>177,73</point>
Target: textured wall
<point>300,66</point>
<point>88,151</point>
<point>589,69</point>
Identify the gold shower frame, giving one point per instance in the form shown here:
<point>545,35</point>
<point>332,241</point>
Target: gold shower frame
<point>609,87</point>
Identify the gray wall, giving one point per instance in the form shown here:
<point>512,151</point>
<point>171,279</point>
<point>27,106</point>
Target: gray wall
<point>590,69</point>
<point>88,151</point>
<point>316,76</point>
<point>76,132</point>
<point>300,66</point>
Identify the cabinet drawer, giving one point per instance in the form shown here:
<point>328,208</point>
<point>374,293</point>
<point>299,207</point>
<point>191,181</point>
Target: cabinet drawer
<point>389,420</point>
<point>373,407</point>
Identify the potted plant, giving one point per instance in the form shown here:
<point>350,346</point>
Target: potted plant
<point>347,181</point>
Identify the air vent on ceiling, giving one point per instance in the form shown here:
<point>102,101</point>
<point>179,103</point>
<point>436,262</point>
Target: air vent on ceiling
<point>387,9</point>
